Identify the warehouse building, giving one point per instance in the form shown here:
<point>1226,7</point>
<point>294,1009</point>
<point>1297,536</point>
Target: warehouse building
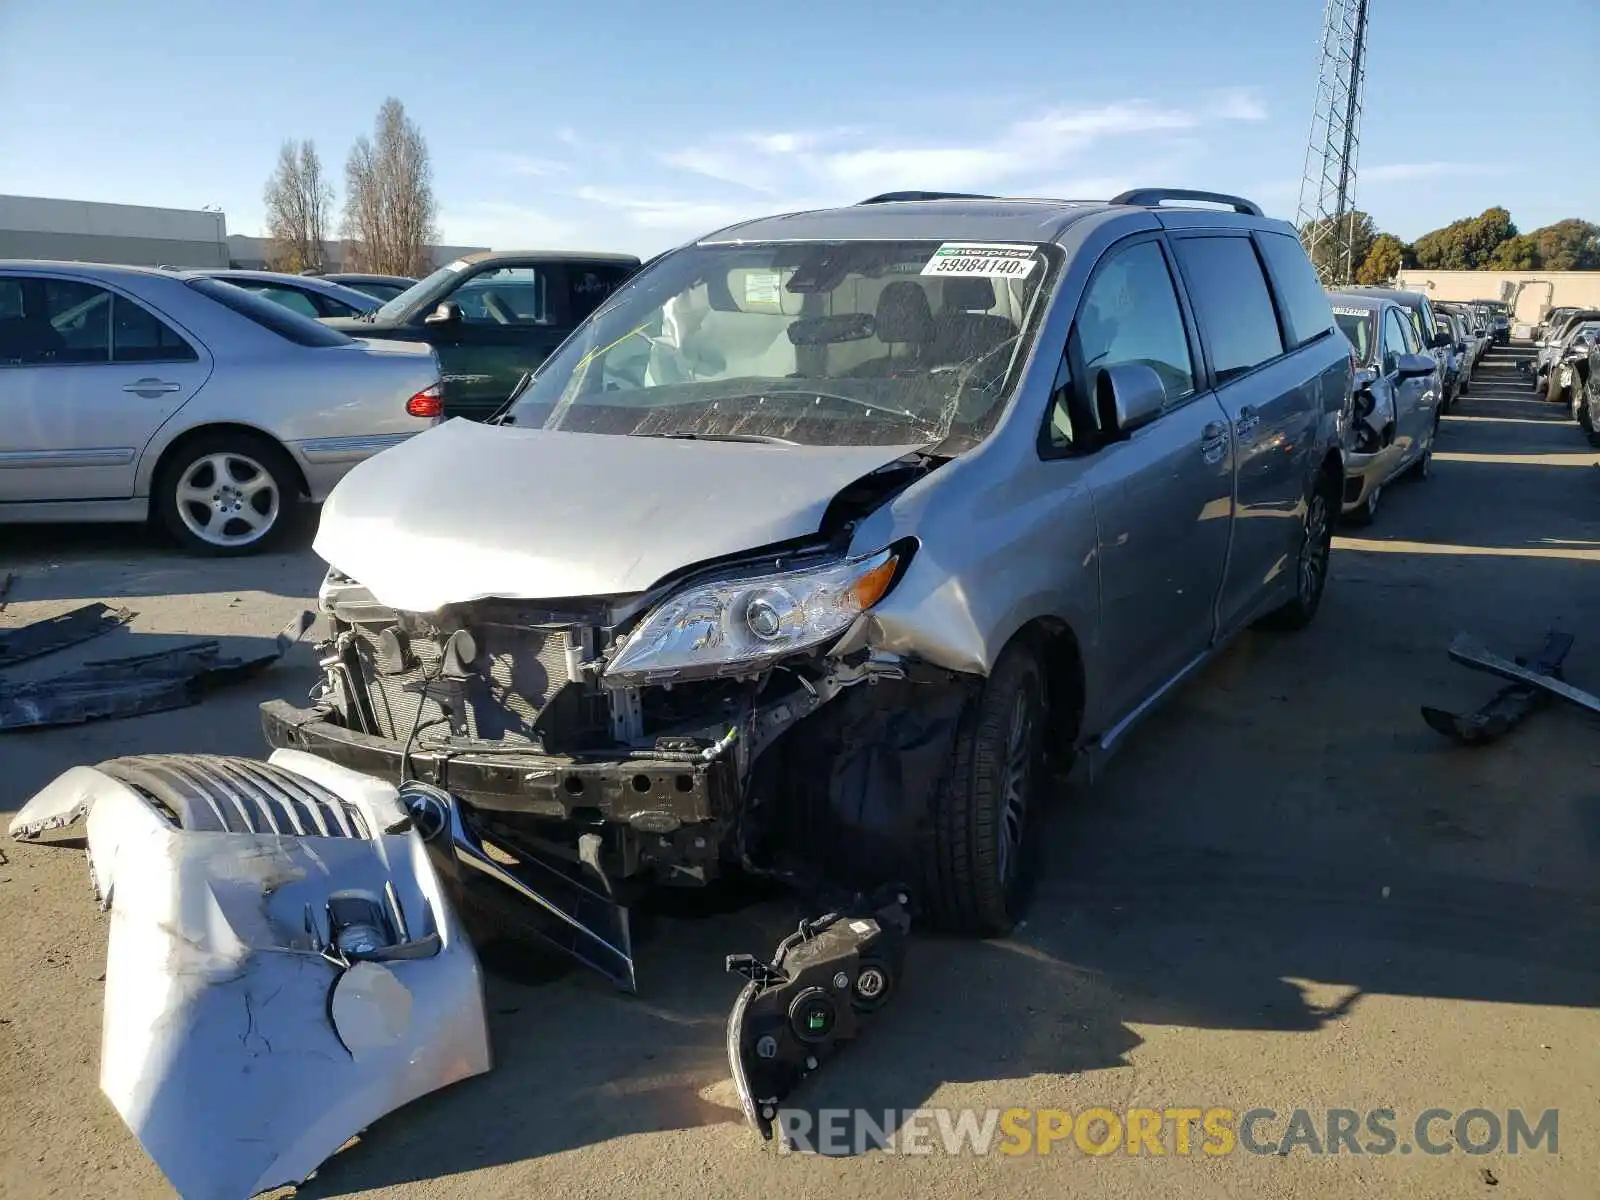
<point>85,231</point>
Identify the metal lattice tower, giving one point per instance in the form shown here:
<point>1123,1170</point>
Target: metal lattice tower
<point>1328,186</point>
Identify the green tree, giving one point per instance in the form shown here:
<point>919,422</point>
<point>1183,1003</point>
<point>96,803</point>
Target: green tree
<point>1361,228</point>
<point>1467,244</point>
<point>1570,245</point>
<point>1383,261</point>
<point>1520,253</point>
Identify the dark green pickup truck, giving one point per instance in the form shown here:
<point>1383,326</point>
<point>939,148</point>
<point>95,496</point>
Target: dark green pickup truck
<point>494,316</point>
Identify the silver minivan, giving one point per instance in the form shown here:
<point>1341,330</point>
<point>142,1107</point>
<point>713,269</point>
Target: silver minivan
<point>811,548</point>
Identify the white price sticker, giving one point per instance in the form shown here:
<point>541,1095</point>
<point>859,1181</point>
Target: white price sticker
<point>763,287</point>
<point>982,260</point>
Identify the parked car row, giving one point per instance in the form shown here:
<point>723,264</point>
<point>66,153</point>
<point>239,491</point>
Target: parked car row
<point>1405,369</point>
<point>131,393</point>
<point>1565,342</point>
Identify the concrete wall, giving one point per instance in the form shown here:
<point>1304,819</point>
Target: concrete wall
<point>1531,293</point>
<point>250,253</point>
<point>84,231</point>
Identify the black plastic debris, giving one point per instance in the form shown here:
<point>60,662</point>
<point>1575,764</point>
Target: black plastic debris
<point>1510,706</point>
<point>800,1009</point>
<point>1470,652</point>
<point>57,633</point>
<point>144,683</point>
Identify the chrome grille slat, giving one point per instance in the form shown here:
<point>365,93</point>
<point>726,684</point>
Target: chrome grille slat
<point>227,794</point>
<point>273,791</point>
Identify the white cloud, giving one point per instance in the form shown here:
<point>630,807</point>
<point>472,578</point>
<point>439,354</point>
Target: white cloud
<point>846,161</point>
<point>503,226</point>
<point>647,196</point>
<point>531,166</point>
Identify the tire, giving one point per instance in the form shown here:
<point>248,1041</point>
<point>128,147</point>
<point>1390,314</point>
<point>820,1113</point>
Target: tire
<point>1553,391</point>
<point>1368,512</point>
<point>1312,562</point>
<point>979,863</point>
<point>227,493</point>
<point>1422,470</point>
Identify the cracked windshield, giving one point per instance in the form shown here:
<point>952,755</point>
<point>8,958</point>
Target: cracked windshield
<point>857,343</point>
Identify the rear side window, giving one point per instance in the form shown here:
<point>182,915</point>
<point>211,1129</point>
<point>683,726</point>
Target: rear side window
<point>292,327</point>
<point>1305,304</point>
<point>1231,302</point>
<point>591,285</point>
<point>138,336</point>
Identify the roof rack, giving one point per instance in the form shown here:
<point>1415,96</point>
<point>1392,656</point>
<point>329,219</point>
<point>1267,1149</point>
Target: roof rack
<point>1150,197</point>
<point>892,197</point>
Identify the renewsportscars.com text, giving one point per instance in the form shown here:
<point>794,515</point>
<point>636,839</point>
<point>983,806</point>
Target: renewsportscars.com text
<point>1097,1132</point>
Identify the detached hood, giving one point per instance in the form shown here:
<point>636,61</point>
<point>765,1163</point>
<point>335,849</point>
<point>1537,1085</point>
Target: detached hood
<point>466,511</point>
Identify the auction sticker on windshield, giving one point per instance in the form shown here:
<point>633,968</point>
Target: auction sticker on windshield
<point>983,260</point>
<point>1351,312</point>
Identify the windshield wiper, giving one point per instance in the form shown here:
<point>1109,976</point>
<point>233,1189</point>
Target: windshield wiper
<point>765,439</point>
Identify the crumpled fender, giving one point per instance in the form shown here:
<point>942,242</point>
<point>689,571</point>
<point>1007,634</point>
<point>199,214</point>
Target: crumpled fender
<point>251,1026</point>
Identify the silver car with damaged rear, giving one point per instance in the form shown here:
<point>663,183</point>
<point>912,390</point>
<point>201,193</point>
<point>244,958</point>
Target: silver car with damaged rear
<point>129,393</point>
<point>1394,413</point>
<point>824,534</point>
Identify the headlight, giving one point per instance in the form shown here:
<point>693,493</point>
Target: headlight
<point>734,626</point>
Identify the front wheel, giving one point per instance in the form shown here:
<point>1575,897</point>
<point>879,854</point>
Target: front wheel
<point>226,494</point>
<point>978,864</point>
<point>1311,562</point>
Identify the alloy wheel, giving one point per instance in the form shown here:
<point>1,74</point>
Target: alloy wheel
<point>1316,547</point>
<point>1018,778</point>
<point>228,499</point>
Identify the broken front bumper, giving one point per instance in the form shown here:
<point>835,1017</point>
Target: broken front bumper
<point>283,965</point>
<point>652,794</point>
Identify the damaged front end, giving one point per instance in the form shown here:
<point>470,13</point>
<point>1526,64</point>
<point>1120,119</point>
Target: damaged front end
<point>283,965</point>
<point>614,744</point>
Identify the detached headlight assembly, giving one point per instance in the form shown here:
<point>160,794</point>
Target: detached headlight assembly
<point>736,626</point>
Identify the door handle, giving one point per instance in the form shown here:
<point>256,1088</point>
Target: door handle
<point>1214,441</point>
<point>152,387</point>
<point>1249,417</point>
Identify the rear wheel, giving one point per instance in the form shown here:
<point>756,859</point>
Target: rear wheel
<point>979,861</point>
<point>1553,391</point>
<point>227,493</point>
<point>1311,562</point>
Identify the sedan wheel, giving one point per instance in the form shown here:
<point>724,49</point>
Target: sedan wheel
<point>227,495</point>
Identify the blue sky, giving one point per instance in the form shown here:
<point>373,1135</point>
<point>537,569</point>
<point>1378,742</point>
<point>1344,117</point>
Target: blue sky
<point>635,124</point>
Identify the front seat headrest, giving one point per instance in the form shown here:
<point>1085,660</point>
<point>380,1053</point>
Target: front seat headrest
<point>904,314</point>
<point>968,294</point>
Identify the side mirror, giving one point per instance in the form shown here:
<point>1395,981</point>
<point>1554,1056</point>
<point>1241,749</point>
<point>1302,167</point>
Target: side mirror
<point>1365,377</point>
<point>1414,366</point>
<point>1440,341</point>
<point>448,313</point>
<point>1127,396</point>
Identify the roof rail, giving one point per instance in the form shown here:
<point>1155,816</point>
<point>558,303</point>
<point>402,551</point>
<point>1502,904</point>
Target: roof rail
<point>891,197</point>
<point>1150,197</point>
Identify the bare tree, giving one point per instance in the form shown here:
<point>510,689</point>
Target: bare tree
<point>389,210</point>
<point>299,199</point>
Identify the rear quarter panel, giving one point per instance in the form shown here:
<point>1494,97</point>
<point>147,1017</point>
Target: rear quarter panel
<point>298,395</point>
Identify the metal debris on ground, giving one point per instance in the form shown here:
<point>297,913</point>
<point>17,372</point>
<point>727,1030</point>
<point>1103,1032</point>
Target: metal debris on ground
<point>57,633</point>
<point>1510,705</point>
<point>1470,652</point>
<point>144,683</point>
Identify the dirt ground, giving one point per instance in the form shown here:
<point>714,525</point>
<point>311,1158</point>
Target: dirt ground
<point>1286,892</point>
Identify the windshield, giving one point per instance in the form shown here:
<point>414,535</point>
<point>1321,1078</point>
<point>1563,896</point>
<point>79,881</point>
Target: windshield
<point>823,343</point>
<point>1356,325</point>
<point>396,309</point>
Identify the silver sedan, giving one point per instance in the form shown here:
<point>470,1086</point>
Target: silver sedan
<point>129,393</point>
